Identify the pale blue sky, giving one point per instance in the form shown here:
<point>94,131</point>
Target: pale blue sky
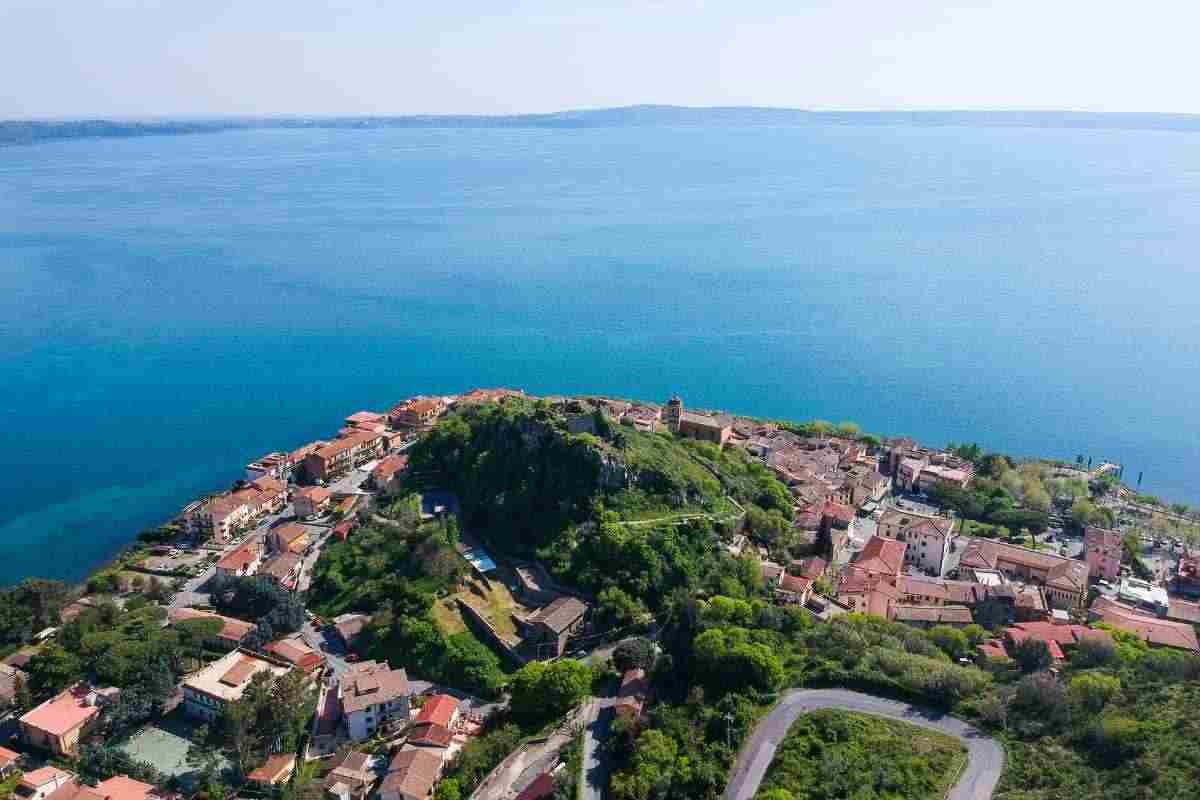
<point>124,58</point>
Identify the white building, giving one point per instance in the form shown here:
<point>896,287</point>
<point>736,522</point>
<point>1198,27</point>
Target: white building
<point>372,695</point>
<point>927,536</point>
<point>1144,595</point>
<point>207,691</point>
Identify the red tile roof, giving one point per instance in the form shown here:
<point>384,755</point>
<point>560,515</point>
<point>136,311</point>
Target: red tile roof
<point>881,555</point>
<point>239,558</point>
<point>439,709</point>
<point>274,769</point>
<point>64,712</point>
<point>430,734</point>
<point>1150,629</point>
<point>8,758</point>
<point>122,787</point>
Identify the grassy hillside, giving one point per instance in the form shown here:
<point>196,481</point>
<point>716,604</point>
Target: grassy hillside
<point>829,755</point>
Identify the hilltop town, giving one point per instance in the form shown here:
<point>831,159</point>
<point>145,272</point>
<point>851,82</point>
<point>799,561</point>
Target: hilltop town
<point>495,595</point>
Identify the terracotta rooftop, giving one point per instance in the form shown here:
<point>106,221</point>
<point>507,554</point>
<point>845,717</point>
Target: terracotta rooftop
<point>122,787</point>
<point>369,683</point>
<point>296,651</point>
<point>274,769</point>
<point>560,614</point>
<point>952,615</point>
<point>412,774</point>
<point>64,712</point>
<point>314,494</point>
<point>389,466</point>
<point>439,709</point>
<point>40,777</point>
<point>8,758</point>
<point>881,555</point>
<point>1156,631</point>
<point>795,584</point>
<point>430,734</point>
<point>239,558</point>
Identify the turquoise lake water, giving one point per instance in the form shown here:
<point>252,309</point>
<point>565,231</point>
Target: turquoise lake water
<point>172,307</point>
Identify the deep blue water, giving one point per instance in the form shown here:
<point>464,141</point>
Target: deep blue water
<point>172,307</point>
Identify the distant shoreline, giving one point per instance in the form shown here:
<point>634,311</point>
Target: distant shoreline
<point>33,131</point>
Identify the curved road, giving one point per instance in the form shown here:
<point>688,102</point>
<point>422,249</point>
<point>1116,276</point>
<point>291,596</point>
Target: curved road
<point>985,756</point>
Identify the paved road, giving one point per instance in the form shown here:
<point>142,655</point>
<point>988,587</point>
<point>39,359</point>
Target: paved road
<point>595,760</point>
<point>978,781</point>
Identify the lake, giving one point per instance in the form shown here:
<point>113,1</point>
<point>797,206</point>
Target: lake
<point>172,307</point>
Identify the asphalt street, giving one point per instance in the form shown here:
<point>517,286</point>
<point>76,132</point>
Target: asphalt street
<point>978,781</point>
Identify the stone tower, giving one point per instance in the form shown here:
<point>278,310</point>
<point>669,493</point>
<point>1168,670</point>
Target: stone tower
<point>673,413</point>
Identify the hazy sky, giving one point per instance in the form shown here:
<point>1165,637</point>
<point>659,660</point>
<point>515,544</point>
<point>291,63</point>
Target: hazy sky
<point>125,58</point>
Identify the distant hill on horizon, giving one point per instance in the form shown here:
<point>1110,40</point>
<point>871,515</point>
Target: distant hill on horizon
<point>34,131</point>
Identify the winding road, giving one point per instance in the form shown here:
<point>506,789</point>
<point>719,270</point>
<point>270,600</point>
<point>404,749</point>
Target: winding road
<point>985,756</point>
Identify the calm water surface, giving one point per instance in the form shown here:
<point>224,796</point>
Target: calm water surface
<point>172,307</point>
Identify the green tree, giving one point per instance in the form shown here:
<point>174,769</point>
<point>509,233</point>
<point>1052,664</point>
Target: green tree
<point>1091,690</point>
<point>52,670</point>
<point>616,608</point>
<point>635,653</point>
<point>950,641</point>
<point>1032,655</point>
<point>449,789</point>
<point>543,690</point>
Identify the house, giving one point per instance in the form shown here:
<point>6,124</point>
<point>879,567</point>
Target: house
<point>218,517</point>
<point>438,709</point>
<point>283,568</point>
<point>1065,580</point>
<point>385,476</point>
<point>295,651</point>
<point>1059,638</point>
<point>419,412</point>
<point>241,560</point>
<point>935,475</point>
<point>631,696</point>
<point>550,626</point>
<point>1156,632</point>
<point>1103,548</point>
<point>411,775</point>
<point>272,465</point>
<point>291,537</point>
<point>1187,576</point>
<point>867,593</point>
<point>881,557</point>
<point>480,396</point>
<point>927,536</point>
<point>771,573</point>
<point>372,695</point>
<point>793,589</point>
<point>311,501</point>
<point>207,691</point>
<point>123,787</point>
<point>1183,611</point>
<point>352,779</point>
<point>642,417</point>
<point>364,418</point>
<point>349,626</point>
<point>344,528</point>
<point>39,784</point>
<point>702,427</point>
<point>57,724</point>
<point>232,632</point>
<point>431,735</point>
<point>929,616</point>
<point>343,454</point>
<point>9,762</point>
<point>1144,596</point>
<point>837,516</point>
<point>274,771</point>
